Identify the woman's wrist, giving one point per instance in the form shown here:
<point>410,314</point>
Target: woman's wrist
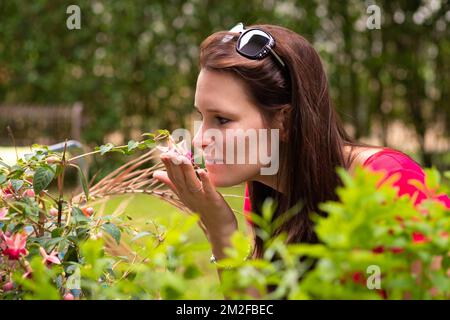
<point>217,230</point>
<point>220,239</point>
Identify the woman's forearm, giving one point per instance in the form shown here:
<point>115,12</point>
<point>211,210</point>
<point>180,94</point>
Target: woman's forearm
<point>219,242</point>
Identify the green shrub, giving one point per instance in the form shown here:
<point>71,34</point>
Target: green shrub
<point>373,245</point>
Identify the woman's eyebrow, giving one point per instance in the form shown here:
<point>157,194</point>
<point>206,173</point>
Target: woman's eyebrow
<point>212,110</point>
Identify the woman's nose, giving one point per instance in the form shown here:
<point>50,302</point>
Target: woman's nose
<point>198,141</point>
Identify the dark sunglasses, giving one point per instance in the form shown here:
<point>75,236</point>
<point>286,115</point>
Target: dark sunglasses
<point>254,43</point>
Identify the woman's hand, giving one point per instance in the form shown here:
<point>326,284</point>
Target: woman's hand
<point>199,196</point>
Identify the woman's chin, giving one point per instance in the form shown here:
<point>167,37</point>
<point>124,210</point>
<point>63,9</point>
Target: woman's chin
<point>221,177</point>
<point>227,175</point>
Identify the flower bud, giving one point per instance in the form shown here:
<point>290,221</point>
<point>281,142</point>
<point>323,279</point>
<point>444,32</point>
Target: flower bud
<point>88,211</point>
<point>29,193</point>
<point>53,212</point>
<point>52,159</point>
<point>69,296</point>
<point>97,235</point>
<point>8,286</point>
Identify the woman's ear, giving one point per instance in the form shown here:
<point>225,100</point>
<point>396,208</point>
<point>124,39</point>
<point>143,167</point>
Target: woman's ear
<point>280,122</point>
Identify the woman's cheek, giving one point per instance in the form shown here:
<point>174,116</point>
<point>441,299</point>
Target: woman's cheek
<point>230,175</point>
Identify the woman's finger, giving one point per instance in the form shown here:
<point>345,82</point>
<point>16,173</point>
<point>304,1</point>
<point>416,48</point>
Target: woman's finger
<point>167,163</point>
<point>178,176</point>
<point>192,182</point>
<point>208,187</point>
<point>167,160</point>
<point>164,178</point>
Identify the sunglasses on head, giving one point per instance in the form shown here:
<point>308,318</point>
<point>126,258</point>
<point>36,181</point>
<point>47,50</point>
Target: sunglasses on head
<point>254,43</point>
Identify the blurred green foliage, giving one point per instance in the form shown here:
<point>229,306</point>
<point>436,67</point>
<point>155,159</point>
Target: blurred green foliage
<point>376,229</point>
<point>133,64</point>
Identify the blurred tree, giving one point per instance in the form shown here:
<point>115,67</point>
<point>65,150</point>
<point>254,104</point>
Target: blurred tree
<point>134,64</point>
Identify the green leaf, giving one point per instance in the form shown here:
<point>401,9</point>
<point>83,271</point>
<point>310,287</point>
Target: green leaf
<point>52,242</point>
<point>106,148</point>
<point>447,174</point>
<point>57,232</point>
<point>17,227</point>
<point>5,164</point>
<point>82,234</point>
<point>113,230</point>
<point>150,135</point>
<point>16,184</point>
<point>16,172</point>
<point>132,145</point>
<point>119,150</point>
<point>83,181</point>
<point>28,156</point>
<point>268,209</point>
<point>192,272</point>
<point>41,287</point>
<point>140,235</point>
<point>71,254</point>
<point>42,178</point>
<point>2,178</point>
<point>432,178</point>
<point>39,146</point>
<point>149,143</point>
<point>163,132</point>
<point>78,216</point>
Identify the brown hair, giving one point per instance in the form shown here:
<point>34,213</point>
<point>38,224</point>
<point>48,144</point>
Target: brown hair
<point>308,160</point>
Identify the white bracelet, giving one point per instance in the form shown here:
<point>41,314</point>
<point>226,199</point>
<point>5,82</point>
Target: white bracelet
<point>213,259</point>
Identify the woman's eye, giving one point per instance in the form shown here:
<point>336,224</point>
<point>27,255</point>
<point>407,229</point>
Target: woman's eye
<point>222,120</point>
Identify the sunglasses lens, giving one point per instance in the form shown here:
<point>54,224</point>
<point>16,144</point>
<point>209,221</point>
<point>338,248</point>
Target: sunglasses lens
<point>253,42</point>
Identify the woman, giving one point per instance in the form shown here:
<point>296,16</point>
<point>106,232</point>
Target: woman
<point>269,77</point>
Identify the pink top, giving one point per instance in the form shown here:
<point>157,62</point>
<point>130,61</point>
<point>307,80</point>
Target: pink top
<point>391,161</point>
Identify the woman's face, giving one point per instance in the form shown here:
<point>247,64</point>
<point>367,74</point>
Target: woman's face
<point>224,108</point>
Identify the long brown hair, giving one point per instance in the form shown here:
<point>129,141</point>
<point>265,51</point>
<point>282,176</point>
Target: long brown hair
<point>308,159</point>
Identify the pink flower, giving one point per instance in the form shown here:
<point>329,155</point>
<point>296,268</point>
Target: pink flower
<point>52,159</point>
<point>29,193</point>
<point>179,148</point>
<point>418,237</point>
<point>68,296</point>
<point>7,192</point>
<point>14,246</point>
<point>88,211</point>
<point>28,271</point>
<point>382,293</point>
<point>6,196</point>
<point>8,286</point>
<point>378,249</point>
<point>49,258</point>
<point>53,212</point>
<point>3,213</point>
<point>358,278</point>
<point>397,250</point>
<point>8,188</point>
<point>28,274</point>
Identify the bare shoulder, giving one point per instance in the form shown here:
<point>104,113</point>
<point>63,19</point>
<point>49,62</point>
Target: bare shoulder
<point>361,154</point>
<point>365,153</point>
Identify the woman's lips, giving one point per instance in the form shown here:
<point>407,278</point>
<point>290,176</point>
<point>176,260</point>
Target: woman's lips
<point>213,161</point>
